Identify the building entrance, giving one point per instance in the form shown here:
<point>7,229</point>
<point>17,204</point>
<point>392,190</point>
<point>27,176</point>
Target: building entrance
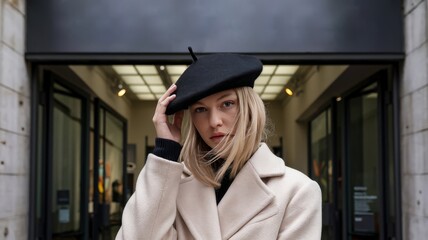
<point>351,158</point>
<point>81,171</point>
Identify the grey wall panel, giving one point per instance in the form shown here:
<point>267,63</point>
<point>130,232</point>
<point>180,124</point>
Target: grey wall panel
<point>246,26</point>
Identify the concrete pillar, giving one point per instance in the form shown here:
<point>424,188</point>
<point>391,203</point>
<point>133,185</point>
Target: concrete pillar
<point>14,122</point>
<point>414,122</point>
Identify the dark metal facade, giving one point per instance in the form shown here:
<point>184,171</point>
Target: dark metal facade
<point>143,29</point>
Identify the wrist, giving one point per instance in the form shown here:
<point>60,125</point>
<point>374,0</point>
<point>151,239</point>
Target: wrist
<point>167,148</point>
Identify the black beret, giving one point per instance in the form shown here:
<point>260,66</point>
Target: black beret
<point>214,73</point>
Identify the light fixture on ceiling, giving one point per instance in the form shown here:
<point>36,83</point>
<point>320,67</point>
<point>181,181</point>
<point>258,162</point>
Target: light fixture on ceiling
<point>293,91</point>
<point>118,87</point>
<point>293,88</point>
<point>121,90</point>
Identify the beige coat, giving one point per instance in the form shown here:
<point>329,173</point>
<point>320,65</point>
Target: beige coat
<point>267,200</point>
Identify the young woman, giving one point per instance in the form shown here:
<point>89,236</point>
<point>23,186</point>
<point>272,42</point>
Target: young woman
<point>224,182</point>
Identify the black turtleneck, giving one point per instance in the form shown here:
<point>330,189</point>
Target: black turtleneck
<point>225,184</point>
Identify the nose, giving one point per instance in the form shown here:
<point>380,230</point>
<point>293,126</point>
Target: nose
<point>215,119</point>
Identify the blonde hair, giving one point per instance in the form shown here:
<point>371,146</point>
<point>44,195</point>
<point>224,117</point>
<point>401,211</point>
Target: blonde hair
<point>235,151</point>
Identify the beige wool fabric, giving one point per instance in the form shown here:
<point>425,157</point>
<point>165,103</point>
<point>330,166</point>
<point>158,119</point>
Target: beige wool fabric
<point>266,200</point>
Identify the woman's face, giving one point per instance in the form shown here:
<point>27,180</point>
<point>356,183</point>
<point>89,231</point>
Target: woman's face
<point>214,116</point>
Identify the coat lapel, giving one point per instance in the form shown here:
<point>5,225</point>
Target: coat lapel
<point>198,208</point>
<point>248,195</point>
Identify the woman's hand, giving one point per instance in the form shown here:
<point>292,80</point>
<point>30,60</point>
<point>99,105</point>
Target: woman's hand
<point>165,129</point>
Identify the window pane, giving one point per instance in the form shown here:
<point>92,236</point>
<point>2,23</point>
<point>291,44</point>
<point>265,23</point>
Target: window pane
<point>66,164</point>
<point>322,166</point>
<point>363,163</point>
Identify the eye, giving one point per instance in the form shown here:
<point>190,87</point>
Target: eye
<point>228,104</point>
<point>199,109</point>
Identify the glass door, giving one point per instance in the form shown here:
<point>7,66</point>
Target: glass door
<point>371,168</point>
<point>109,174</point>
<point>61,187</point>
<point>321,168</point>
<point>363,165</point>
<point>351,157</point>
<point>66,165</point>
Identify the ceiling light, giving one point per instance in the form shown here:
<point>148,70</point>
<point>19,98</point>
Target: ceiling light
<point>121,90</point>
<point>268,96</point>
<point>280,80</point>
<point>149,84</point>
<point>289,91</point>
<point>146,69</point>
<point>176,69</point>
<point>258,89</point>
<point>273,89</point>
<point>286,69</point>
<point>124,69</point>
<point>139,88</point>
<point>133,79</point>
<point>268,69</point>
<point>158,88</point>
<point>262,80</point>
<point>152,79</point>
<point>146,96</point>
<point>174,78</point>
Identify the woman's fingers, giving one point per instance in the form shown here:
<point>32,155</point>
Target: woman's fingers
<point>163,102</point>
<point>168,92</point>
<point>165,129</point>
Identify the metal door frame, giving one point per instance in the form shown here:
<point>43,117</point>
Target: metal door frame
<point>49,79</point>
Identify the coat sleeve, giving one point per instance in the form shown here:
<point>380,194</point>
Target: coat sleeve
<point>151,211</point>
<point>303,217</point>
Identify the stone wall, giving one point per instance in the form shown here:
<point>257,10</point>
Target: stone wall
<point>14,122</point>
<point>414,122</point>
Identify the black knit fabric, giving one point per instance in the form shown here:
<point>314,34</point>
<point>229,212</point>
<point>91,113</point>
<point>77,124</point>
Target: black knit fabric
<point>225,184</point>
<point>167,149</point>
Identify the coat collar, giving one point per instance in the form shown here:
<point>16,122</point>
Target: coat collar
<point>266,164</point>
<point>245,198</point>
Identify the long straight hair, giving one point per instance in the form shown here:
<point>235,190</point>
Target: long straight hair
<point>234,151</point>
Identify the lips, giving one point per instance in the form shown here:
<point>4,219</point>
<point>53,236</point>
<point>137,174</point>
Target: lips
<point>217,136</point>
